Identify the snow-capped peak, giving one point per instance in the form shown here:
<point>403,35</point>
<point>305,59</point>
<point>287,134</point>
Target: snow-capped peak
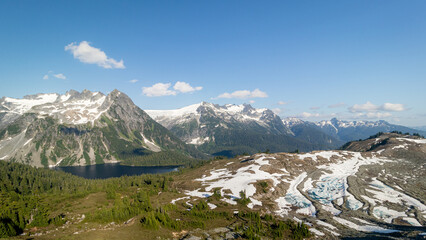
<point>191,109</point>
<point>346,124</point>
<point>292,121</point>
<point>244,112</point>
<point>72,107</point>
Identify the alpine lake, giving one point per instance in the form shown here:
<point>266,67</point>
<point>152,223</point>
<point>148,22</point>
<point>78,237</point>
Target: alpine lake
<point>110,170</point>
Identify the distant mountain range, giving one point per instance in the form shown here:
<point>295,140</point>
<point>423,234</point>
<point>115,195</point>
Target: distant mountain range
<point>345,131</point>
<point>235,129</point>
<point>84,128</point>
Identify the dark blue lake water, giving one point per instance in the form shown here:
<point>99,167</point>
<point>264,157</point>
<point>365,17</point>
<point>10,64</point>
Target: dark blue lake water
<point>110,170</point>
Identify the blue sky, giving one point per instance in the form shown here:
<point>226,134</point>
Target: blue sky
<point>354,60</point>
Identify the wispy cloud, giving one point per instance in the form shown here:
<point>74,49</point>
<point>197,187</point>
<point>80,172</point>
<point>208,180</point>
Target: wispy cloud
<point>314,108</point>
<point>51,74</point>
<point>277,110</point>
<point>60,76</point>
<point>244,94</point>
<point>370,107</point>
<point>373,115</point>
<point>282,103</point>
<point>309,115</point>
<point>163,89</point>
<point>337,105</point>
<point>88,54</point>
<point>134,81</point>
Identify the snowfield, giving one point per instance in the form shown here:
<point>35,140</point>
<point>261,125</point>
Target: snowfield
<point>316,182</point>
<point>68,108</point>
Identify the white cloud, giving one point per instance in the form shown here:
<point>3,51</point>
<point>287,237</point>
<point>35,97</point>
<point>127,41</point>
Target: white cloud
<point>60,76</point>
<point>366,107</point>
<point>184,87</point>
<point>314,108</point>
<point>394,107</point>
<point>158,90</point>
<point>88,54</point>
<point>337,105</point>
<point>243,94</point>
<point>282,103</point>
<point>252,101</point>
<point>373,115</point>
<point>51,74</point>
<point>134,81</point>
<point>370,107</point>
<point>309,115</point>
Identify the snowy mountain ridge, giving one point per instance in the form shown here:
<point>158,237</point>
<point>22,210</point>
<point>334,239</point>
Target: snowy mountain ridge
<point>70,108</point>
<point>203,122</point>
<point>228,112</point>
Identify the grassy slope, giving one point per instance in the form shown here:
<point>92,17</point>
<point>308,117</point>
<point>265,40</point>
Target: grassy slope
<point>104,203</point>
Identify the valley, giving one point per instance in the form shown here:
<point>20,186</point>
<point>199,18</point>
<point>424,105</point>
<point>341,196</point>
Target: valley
<point>372,188</point>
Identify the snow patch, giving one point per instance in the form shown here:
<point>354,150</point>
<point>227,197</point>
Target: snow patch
<point>365,228</point>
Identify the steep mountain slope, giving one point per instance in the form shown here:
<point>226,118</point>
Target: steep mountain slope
<point>373,193</point>
<point>232,129</point>
<point>81,129</point>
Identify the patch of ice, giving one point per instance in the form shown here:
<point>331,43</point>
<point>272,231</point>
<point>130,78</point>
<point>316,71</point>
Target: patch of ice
<point>380,151</point>
<point>242,181</point>
<point>412,221</point>
<point>253,203</point>
<point>365,228</point>
<point>328,225</point>
<point>362,221</point>
<point>369,200</point>
<point>316,232</point>
<point>198,193</point>
<point>383,192</point>
<point>230,201</point>
<point>211,205</point>
<point>419,141</point>
<point>308,185</point>
<point>294,198</point>
<point>178,199</point>
<point>387,214</point>
<point>333,185</point>
<point>330,208</point>
<point>404,146</point>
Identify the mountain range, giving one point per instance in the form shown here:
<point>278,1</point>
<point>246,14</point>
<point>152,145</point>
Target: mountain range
<point>235,129</point>
<point>84,128</point>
